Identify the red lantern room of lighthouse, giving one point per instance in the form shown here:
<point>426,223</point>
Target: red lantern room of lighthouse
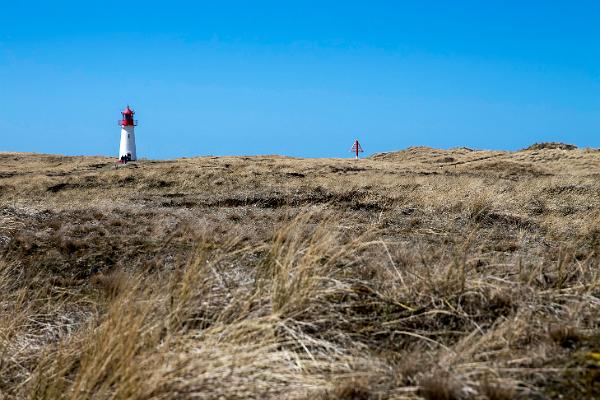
<point>127,119</point>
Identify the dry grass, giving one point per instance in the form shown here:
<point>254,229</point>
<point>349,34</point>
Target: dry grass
<point>425,273</point>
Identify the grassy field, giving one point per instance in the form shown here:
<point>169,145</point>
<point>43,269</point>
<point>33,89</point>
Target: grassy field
<point>435,274</point>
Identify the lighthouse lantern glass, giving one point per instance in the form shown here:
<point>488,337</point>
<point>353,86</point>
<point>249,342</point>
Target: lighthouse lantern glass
<point>127,119</point>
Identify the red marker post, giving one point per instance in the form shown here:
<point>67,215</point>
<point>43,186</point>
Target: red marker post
<point>356,148</point>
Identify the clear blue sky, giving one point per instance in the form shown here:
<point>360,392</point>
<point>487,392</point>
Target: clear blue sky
<point>297,78</point>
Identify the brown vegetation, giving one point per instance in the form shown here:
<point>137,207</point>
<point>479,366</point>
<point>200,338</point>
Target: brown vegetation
<point>424,273</point>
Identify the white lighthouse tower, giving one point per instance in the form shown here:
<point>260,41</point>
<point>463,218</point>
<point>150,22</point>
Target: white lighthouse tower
<point>127,148</point>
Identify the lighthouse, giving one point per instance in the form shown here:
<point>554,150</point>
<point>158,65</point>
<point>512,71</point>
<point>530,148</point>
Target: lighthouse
<point>127,147</point>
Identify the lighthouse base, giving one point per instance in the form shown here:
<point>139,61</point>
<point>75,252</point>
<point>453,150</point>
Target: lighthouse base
<point>127,148</point>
